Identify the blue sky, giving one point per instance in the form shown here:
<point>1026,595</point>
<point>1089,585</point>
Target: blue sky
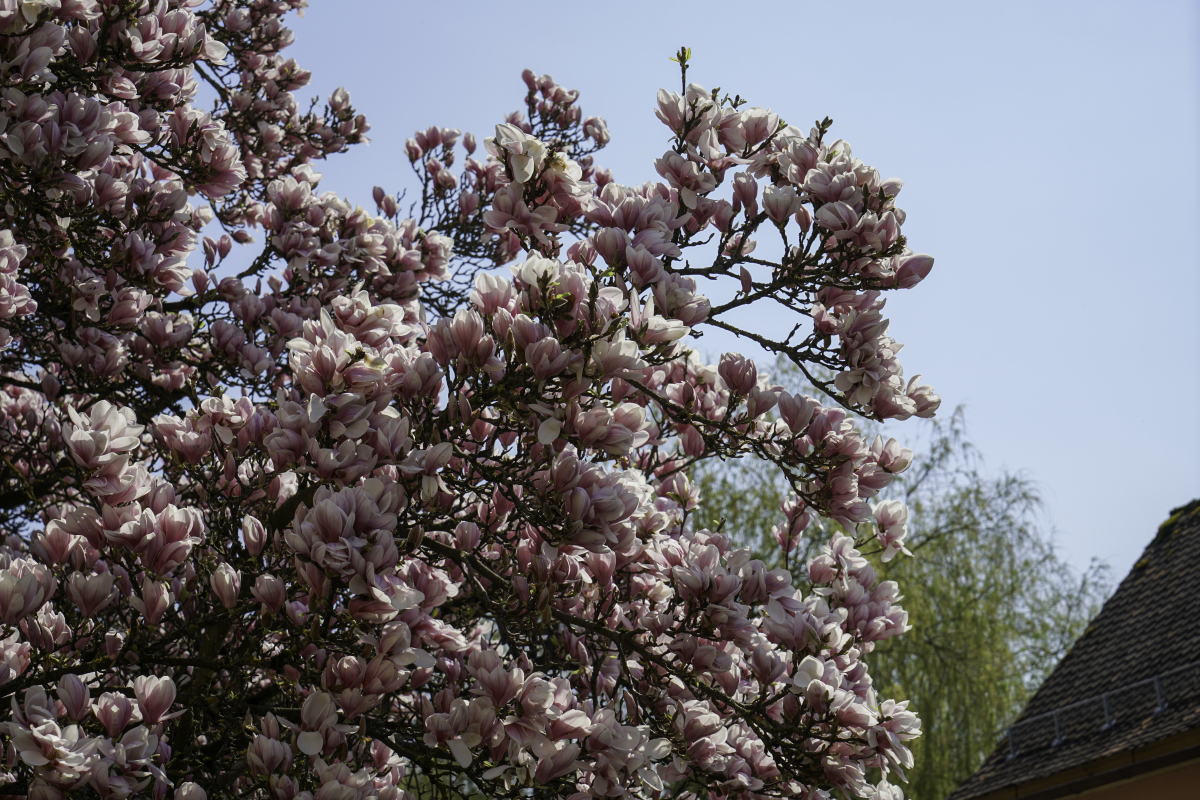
<point>1050,159</point>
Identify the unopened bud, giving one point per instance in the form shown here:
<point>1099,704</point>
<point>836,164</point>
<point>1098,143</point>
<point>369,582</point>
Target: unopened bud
<point>254,535</point>
<point>226,584</point>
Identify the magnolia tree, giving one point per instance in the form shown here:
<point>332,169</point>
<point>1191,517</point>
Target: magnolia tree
<point>357,513</point>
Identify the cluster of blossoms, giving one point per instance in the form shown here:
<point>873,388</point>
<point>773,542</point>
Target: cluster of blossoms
<point>370,516</point>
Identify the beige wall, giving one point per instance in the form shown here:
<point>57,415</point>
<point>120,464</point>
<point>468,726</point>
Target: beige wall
<point>1181,782</point>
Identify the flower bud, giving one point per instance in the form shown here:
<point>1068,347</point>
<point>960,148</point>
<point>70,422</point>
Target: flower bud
<point>155,600</point>
<point>50,386</point>
<point>75,696</point>
<point>254,535</point>
<point>226,584</point>
<point>804,218</point>
<point>83,43</point>
<point>466,536</point>
<point>114,643</point>
<point>282,787</point>
<point>264,755</point>
<point>739,373</point>
<point>911,270</point>
<point>745,193</point>
<point>611,243</point>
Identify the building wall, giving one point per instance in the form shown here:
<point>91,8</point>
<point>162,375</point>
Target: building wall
<point>1180,781</point>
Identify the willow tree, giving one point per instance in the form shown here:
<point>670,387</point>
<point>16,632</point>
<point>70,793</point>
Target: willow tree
<point>991,604</point>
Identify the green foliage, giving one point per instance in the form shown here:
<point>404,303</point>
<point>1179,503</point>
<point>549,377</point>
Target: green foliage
<point>992,607</point>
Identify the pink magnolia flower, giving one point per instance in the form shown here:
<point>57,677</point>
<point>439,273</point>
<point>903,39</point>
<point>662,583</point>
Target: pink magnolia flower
<point>155,601</point>
<point>270,591</point>
<point>91,594</point>
<point>155,697</point>
<point>115,712</point>
<point>75,696</point>
<point>190,791</point>
<point>24,586</point>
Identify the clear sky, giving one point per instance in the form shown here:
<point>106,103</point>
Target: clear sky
<point>1050,159</point>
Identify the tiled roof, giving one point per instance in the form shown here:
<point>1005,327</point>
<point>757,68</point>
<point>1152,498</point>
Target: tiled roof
<point>1131,679</point>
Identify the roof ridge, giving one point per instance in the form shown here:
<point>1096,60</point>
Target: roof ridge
<point>1189,506</point>
<point>1178,514</point>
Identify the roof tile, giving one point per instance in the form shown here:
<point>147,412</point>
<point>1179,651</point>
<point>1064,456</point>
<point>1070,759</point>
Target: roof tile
<point>1102,698</point>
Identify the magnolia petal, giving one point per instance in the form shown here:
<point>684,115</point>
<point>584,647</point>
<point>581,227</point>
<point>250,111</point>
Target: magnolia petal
<point>311,743</point>
<point>548,431</point>
<point>459,750</point>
